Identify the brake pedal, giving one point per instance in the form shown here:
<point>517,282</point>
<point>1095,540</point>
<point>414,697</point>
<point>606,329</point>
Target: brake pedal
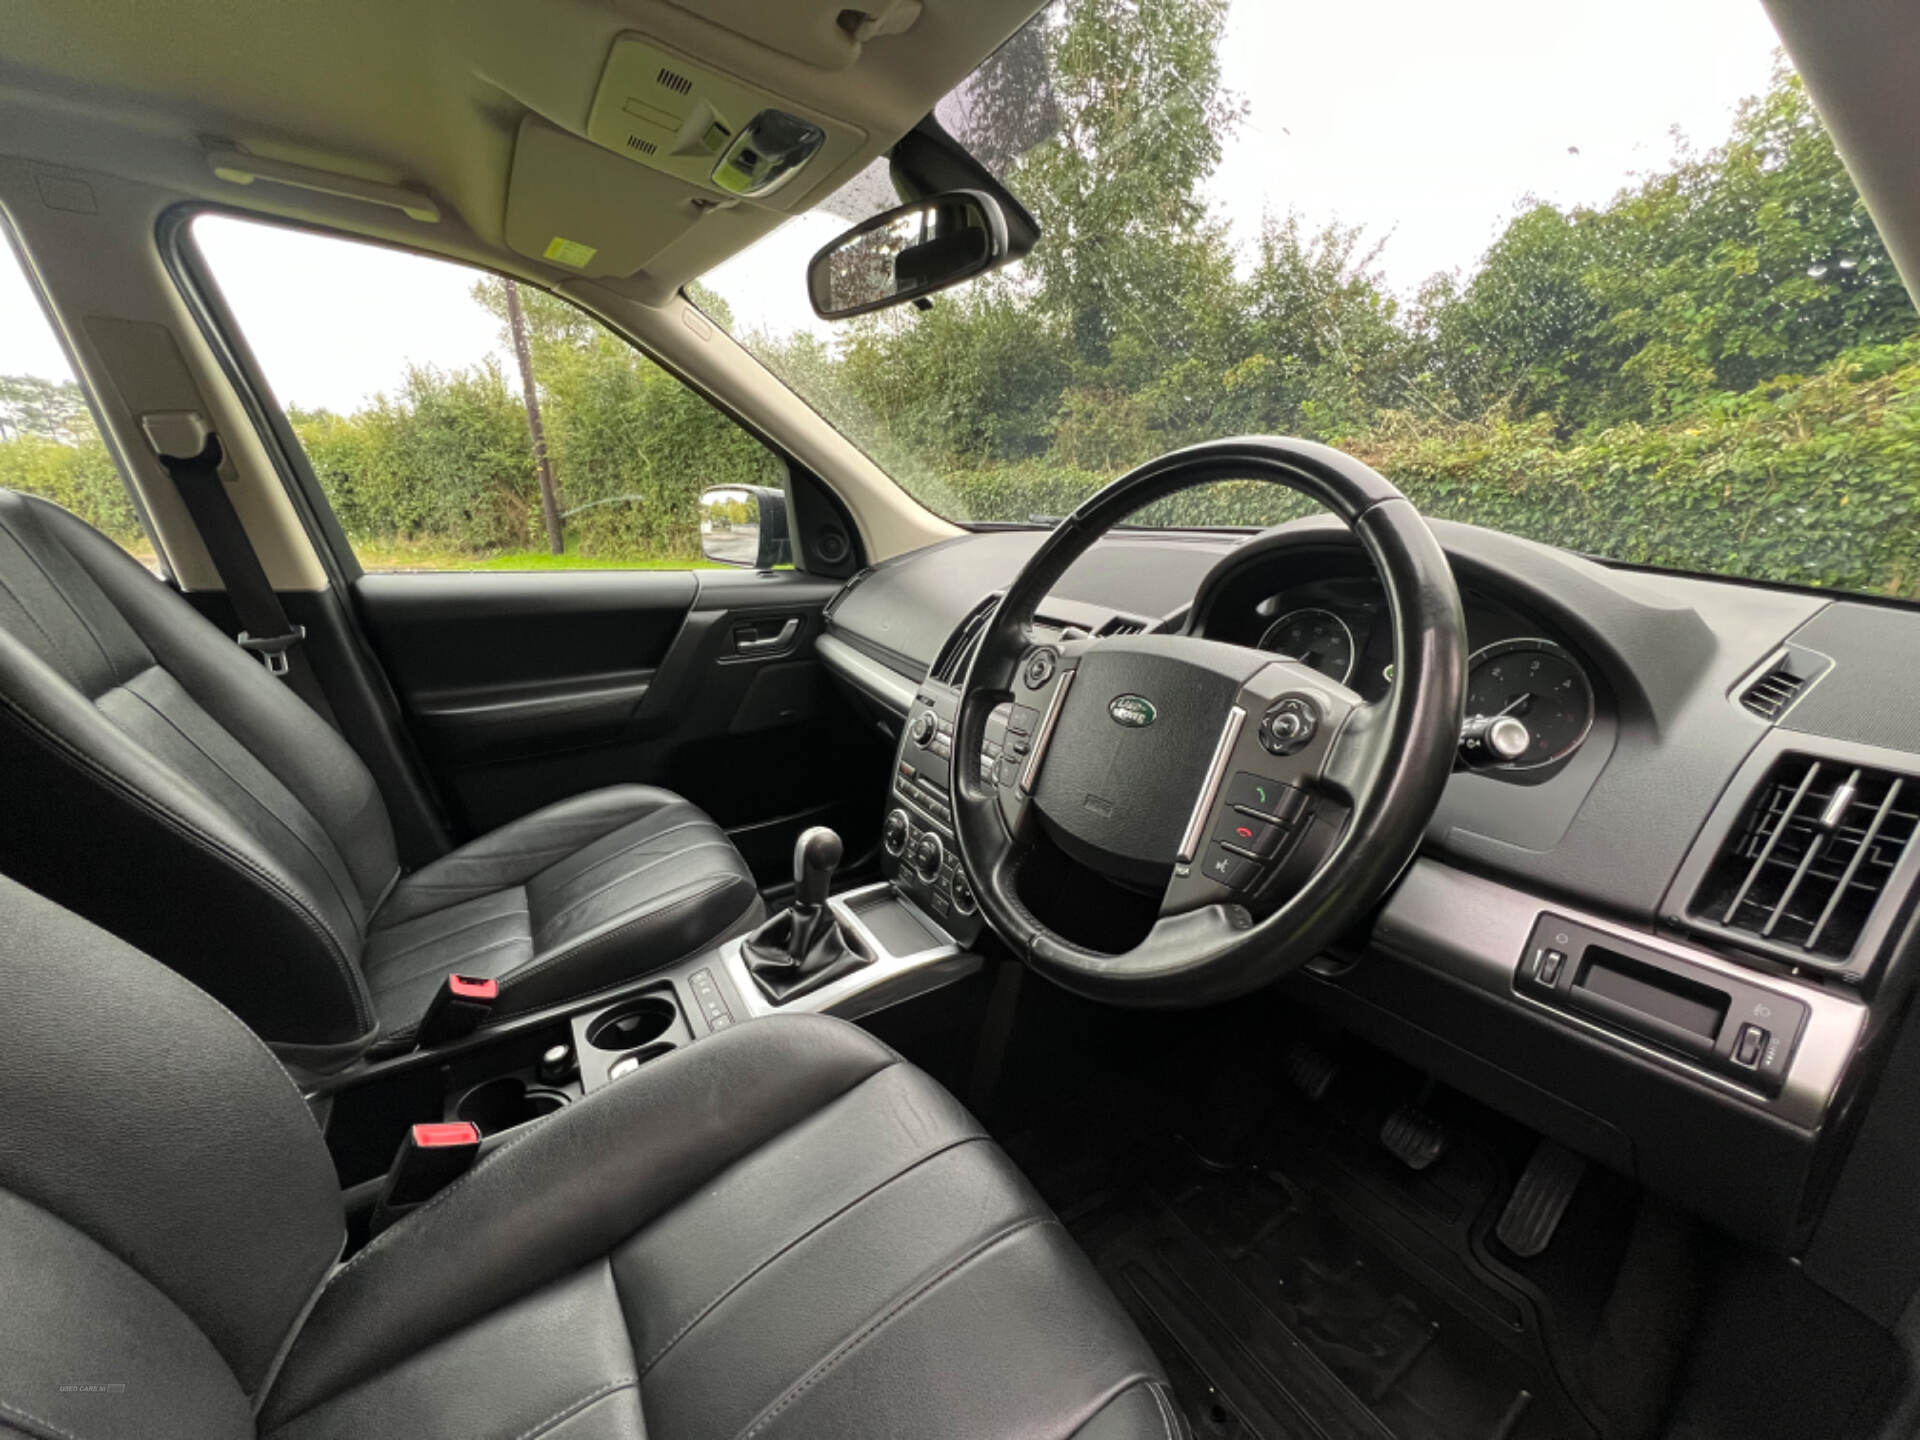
<point>1310,1071</point>
<point>1413,1137</point>
<point>1546,1186</point>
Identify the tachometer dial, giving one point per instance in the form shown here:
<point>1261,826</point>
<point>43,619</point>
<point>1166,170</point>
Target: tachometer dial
<point>1539,684</point>
<point>1316,638</point>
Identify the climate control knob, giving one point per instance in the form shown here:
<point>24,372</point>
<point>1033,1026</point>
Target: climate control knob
<point>895,832</point>
<point>925,726</point>
<point>928,855</point>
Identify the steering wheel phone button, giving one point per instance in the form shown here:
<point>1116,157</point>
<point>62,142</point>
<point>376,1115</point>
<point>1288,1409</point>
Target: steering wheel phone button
<point>1223,867</point>
<point>1249,833</point>
<point>1267,798</point>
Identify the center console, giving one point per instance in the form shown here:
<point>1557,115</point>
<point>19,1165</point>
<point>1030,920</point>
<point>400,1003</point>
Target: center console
<point>847,954</point>
<point>921,856</point>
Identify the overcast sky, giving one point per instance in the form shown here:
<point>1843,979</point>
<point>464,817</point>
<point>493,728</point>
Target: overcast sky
<point>1424,123</point>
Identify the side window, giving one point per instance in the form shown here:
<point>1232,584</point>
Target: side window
<point>457,421</point>
<point>49,444</point>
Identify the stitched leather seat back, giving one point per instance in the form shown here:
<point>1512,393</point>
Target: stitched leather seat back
<point>167,1206</point>
<point>160,782</point>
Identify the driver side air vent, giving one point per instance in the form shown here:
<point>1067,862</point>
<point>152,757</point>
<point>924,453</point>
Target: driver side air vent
<point>1802,874</point>
<point>950,666</point>
<point>1784,679</point>
<point>1122,625</point>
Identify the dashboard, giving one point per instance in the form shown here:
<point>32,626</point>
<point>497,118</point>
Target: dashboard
<point>1614,928</point>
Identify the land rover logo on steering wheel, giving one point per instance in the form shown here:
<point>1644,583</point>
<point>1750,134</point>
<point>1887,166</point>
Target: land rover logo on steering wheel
<point>1136,712</point>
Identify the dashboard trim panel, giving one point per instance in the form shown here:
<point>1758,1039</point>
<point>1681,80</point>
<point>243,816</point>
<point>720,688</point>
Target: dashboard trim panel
<point>1476,931</point>
<point>882,682</point>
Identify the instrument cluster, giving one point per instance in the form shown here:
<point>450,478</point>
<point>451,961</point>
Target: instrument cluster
<point>1530,699</point>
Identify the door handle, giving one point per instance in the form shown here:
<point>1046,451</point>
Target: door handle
<point>746,642</point>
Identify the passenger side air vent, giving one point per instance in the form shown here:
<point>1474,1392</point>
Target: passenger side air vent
<point>1122,625</point>
<point>1784,679</point>
<point>950,666</point>
<point>1801,875</point>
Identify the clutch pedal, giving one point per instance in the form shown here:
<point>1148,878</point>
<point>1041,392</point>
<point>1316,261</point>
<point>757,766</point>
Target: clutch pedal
<point>1413,1137</point>
<point>1310,1071</point>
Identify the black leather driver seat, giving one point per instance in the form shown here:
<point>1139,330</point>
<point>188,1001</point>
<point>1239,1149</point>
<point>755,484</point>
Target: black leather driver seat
<point>161,783</point>
<point>782,1230</point>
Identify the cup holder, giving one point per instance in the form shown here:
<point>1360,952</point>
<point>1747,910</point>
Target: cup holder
<point>504,1103</point>
<point>629,1026</point>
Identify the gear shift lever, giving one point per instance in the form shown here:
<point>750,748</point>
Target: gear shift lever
<point>801,948</point>
<point>815,855</point>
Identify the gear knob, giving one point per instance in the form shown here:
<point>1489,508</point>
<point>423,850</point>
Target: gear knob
<point>815,854</point>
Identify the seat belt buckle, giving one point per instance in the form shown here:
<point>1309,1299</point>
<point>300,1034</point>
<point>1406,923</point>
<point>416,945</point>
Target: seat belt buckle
<point>458,1008</point>
<point>272,649</point>
<point>429,1159</point>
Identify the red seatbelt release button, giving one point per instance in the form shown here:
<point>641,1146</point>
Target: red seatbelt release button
<point>459,1007</point>
<point>428,1160</point>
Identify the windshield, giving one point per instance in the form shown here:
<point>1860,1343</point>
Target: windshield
<point>1599,279</point>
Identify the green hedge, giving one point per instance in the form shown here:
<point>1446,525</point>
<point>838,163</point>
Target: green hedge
<point>79,475</point>
<point>1811,480</point>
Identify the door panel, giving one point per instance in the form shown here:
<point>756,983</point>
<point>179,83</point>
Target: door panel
<point>525,688</point>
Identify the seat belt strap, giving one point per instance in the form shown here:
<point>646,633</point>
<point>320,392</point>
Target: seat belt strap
<point>265,629</point>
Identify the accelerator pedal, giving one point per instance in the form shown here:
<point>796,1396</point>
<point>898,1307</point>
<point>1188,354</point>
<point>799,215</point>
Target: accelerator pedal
<point>1310,1071</point>
<point>1546,1186</point>
<point>1413,1137</point>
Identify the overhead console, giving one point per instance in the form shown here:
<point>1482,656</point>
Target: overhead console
<point>708,129</point>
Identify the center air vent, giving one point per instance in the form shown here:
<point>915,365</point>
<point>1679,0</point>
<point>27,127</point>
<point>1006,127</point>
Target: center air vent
<point>950,666</point>
<point>1802,874</point>
<point>1122,625</point>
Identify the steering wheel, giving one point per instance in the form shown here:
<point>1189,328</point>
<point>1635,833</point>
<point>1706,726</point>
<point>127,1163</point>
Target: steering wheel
<point>1271,806</point>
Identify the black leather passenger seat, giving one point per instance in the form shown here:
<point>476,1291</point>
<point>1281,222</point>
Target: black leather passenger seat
<point>162,783</point>
<point>559,902</point>
<point>782,1230</point>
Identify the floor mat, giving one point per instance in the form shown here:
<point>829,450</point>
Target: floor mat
<point>1295,1303</point>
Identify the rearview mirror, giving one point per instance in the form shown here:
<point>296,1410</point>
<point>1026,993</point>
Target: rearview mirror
<point>745,525</point>
<point>907,252</point>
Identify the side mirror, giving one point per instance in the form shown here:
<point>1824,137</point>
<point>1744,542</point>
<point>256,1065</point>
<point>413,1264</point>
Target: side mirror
<point>745,525</point>
<point>907,252</point>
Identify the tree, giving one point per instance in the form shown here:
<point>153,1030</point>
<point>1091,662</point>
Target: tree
<point>1727,268</point>
<point>542,462</point>
<point>54,409</point>
<point>1142,119</point>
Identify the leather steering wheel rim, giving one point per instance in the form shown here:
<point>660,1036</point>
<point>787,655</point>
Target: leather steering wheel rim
<point>1391,758</point>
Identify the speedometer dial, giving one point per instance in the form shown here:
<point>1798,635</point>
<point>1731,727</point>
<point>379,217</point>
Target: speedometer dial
<point>1539,684</point>
<point>1316,638</point>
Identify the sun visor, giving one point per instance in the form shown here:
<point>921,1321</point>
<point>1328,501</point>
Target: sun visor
<point>827,34</point>
<point>575,205</point>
